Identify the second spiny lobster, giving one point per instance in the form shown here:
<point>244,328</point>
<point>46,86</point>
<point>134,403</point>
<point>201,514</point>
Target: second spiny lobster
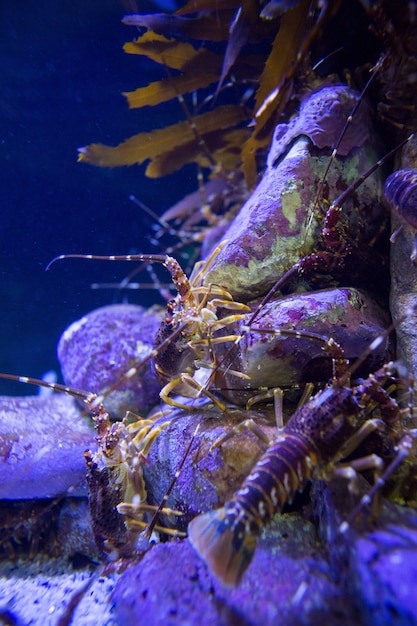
<point>311,445</point>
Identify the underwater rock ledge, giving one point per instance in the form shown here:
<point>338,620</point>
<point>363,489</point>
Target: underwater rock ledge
<point>42,443</point>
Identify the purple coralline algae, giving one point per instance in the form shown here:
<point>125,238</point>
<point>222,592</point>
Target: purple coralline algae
<point>208,477</point>
<point>289,583</point>
<point>322,116</point>
<point>95,352</point>
<point>347,315</point>
<point>278,220</point>
<point>42,443</point>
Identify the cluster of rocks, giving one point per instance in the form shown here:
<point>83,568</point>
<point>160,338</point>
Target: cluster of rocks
<point>304,569</point>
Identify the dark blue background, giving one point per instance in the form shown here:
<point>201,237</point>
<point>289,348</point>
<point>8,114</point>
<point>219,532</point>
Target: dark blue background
<point>62,72</point>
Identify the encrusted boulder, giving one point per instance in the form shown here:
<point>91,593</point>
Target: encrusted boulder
<point>283,218</point>
<point>42,444</point>
<point>375,559</point>
<point>345,315</point>
<point>97,350</point>
<point>289,582</point>
<point>209,476</point>
<point>404,274</point>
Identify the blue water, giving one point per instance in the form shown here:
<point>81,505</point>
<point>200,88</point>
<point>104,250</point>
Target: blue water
<point>63,70</point>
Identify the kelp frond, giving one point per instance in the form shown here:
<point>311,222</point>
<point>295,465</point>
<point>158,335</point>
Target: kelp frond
<point>228,137</point>
<point>200,68</point>
<point>172,147</point>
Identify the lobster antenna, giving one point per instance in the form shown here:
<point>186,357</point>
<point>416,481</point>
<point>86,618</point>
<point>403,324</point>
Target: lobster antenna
<point>149,529</point>
<point>374,71</point>
<point>76,393</point>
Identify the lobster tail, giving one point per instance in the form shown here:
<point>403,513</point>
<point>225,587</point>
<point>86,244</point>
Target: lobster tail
<point>222,544</point>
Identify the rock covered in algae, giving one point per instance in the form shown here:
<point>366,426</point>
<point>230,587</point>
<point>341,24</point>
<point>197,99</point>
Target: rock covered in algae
<point>376,558</point>
<point>403,299</point>
<point>287,583</point>
<point>208,477</point>
<point>347,315</point>
<point>42,444</point>
<point>322,117</point>
<point>278,220</point>
<point>95,351</point>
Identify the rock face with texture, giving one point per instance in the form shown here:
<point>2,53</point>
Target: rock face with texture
<point>42,444</point>
<point>283,218</point>
<point>208,477</point>
<point>347,315</point>
<point>95,351</point>
<point>404,276</point>
<point>376,566</point>
<point>289,583</point>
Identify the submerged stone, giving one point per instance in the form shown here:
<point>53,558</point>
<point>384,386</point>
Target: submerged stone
<point>97,350</point>
<point>282,220</point>
<point>42,444</point>
<point>346,315</point>
<point>404,274</point>
<point>208,477</point>
<point>375,559</point>
<point>288,583</point>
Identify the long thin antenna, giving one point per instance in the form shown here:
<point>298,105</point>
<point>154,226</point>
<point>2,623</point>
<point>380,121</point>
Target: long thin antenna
<point>149,529</point>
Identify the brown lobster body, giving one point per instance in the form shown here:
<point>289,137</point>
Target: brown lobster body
<point>309,446</point>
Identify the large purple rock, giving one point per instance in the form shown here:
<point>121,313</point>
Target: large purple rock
<point>97,350</point>
<point>289,582</point>
<point>375,559</point>
<point>322,116</point>
<point>278,221</point>
<point>208,477</point>
<point>348,316</point>
<point>404,275</point>
<point>42,444</point>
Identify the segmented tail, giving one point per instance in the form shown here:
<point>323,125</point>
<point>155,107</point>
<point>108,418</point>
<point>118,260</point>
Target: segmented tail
<point>223,544</point>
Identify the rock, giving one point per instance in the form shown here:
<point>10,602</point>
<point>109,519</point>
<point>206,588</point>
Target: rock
<point>404,304</point>
<point>376,561</point>
<point>386,571</point>
<point>208,478</point>
<point>98,349</point>
<point>42,443</point>
<point>74,535</point>
<point>408,156</point>
<point>322,116</point>
<point>403,299</point>
<point>273,226</point>
<point>289,582</point>
<point>348,316</point>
